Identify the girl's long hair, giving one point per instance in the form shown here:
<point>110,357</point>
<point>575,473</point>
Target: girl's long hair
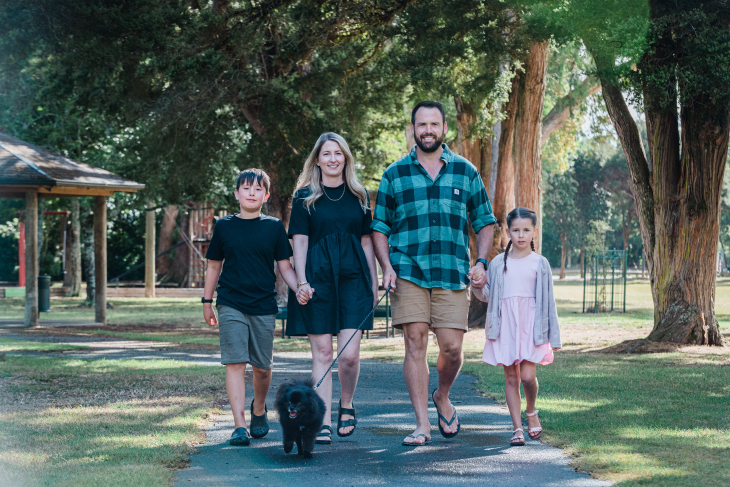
<point>311,176</point>
<point>519,212</point>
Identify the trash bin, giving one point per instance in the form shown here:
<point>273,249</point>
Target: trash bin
<point>44,293</point>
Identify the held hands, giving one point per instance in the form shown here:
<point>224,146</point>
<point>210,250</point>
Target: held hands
<point>478,276</point>
<point>304,294</point>
<point>209,314</point>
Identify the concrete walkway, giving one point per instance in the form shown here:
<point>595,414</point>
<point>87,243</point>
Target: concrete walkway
<point>480,454</point>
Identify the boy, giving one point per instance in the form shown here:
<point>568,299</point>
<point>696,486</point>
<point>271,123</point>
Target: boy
<point>249,243</point>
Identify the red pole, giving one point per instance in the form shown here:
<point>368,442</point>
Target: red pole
<point>21,256</point>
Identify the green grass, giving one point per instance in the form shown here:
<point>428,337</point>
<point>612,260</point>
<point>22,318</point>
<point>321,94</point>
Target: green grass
<point>10,344</point>
<point>67,422</point>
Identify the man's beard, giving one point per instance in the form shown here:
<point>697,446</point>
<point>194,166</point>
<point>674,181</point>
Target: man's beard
<point>430,148</point>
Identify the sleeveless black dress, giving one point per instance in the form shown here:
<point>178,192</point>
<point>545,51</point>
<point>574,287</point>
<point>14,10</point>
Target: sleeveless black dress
<point>336,267</point>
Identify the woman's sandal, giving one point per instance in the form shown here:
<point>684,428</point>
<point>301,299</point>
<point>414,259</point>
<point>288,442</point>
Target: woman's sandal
<point>517,439</point>
<point>325,431</point>
<point>535,433</point>
<point>348,422</point>
<point>426,440</point>
<point>448,423</point>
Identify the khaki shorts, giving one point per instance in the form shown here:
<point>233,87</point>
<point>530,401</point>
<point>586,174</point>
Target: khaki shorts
<point>440,308</point>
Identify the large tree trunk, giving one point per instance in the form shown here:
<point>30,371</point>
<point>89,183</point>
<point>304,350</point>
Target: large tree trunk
<point>180,268</point>
<point>164,242</point>
<point>527,133</point>
<point>678,201</point>
<point>87,235</point>
<point>504,190</point>
<point>74,264</point>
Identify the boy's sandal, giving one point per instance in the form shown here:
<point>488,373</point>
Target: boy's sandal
<point>441,418</point>
<point>259,424</point>
<point>348,422</point>
<point>325,431</point>
<point>518,439</point>
<point>240,437</point>
<point>426,439</point>
<point>535,433</point>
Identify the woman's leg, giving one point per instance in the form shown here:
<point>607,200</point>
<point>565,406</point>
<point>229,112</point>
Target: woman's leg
<point>512,394</point>
<point>321,359</point>
<point>528,373</point>
<point>348,370</point>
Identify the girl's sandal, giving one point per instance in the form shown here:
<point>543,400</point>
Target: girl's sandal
<point>326,432</point>
<point>535,433</point>
<point>518,439</point>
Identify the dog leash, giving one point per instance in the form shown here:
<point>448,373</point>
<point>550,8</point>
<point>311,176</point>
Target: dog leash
<point>353,336</point>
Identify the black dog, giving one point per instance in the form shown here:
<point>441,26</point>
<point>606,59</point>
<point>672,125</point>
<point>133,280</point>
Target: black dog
<point>301,412</point>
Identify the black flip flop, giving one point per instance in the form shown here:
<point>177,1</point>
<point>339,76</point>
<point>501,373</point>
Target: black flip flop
<point>327,433</point>
<point>426,441</point>
<point>448,423</point>
<point>240,437</point>
<point>347,422</point>
<point>259,424</point>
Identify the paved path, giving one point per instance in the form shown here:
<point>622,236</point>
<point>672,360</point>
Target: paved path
<point>373,455</point>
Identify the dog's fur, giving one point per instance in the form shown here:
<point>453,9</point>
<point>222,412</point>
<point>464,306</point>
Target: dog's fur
<point>301,413</point>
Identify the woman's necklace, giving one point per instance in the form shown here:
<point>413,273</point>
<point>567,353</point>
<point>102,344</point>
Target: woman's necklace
<point>338,199</point>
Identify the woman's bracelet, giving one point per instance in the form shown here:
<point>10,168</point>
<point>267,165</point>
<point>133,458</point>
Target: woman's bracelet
<point>305,283</point>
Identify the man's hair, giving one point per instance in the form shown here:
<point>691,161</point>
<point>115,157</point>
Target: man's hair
<point>428,104</point>
<point>251,176</point>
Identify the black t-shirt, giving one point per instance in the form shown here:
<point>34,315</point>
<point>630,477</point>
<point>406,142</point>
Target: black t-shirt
<point>249,249</point>
<point>325,216</point>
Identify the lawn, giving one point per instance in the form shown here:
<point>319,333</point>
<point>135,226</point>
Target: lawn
<point>658,419</point>
<point>9,344</point>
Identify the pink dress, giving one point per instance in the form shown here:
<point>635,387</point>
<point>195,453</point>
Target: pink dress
<point>516,340</point>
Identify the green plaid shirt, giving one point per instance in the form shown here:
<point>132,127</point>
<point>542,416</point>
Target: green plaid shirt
<point>426,220</point>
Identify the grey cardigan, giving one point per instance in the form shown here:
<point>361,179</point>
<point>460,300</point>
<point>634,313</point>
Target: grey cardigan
<point>547,329</point>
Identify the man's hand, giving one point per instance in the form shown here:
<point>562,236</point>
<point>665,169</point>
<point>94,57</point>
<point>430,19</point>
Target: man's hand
<point>209,314</point>
<point>304,294</point>
<point>478,276</point>
<point>389,279</point>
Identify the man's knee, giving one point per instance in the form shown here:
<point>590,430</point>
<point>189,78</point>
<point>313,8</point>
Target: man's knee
<point>415,339</point>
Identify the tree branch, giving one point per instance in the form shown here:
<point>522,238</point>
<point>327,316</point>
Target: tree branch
<point>561,111</point>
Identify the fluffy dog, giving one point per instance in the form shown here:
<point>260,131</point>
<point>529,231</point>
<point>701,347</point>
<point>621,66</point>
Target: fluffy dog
<point>301,413</point>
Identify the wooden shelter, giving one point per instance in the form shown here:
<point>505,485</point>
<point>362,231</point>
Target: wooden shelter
<point>30,172</point>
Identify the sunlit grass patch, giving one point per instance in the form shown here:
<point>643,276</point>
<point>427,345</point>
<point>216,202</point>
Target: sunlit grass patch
<point>125,422</point>
<point>10,344</point>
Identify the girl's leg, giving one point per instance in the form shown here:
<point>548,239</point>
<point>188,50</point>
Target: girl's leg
<point>348,370</point>
<point>512,393</point>
<point>321,359</point>
<point>528,372</point>
<point>236,389</point>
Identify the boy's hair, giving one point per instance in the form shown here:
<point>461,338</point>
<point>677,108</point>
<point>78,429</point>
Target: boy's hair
<point>519,212</point>
<point>428,104</point>
<point>251,176</point>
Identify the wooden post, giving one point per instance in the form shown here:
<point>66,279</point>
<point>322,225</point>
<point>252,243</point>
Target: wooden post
<point>31,259</point>
<point>149,267</point>
<point>100,257</point>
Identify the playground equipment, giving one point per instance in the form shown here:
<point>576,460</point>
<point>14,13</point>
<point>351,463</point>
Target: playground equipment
<point>604,285</point>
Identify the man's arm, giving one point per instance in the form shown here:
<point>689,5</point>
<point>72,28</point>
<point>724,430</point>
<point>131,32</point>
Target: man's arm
<point>477,274</point>
<point>382,252</point>
<point>211,281</point>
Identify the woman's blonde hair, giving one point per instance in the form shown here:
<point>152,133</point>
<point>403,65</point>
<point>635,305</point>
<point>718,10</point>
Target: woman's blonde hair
<point>311,176</point>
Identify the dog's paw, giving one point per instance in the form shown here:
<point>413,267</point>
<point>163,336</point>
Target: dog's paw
<point>288,446</point>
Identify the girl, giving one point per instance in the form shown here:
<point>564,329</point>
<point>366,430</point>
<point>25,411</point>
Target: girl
<point>522,319</point>
<point>335,266</point>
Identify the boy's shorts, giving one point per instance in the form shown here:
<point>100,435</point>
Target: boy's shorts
<point>246,338</point>
<point>439,308</point>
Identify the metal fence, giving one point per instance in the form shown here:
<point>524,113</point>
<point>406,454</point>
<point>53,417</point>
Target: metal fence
<point>604,285</point>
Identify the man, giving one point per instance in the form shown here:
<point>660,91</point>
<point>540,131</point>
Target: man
<point>421,237</point>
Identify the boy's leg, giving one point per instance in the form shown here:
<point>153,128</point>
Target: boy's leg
<point>236,388</point>
<point>261,384</point>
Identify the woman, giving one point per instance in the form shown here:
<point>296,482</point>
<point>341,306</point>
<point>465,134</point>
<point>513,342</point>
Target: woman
<point>335,266</point>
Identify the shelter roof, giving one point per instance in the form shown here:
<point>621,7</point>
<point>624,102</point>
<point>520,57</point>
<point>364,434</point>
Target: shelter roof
<point>23,166</point>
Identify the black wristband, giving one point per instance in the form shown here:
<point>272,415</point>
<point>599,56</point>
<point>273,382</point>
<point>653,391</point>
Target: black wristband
<point>203,300</point>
